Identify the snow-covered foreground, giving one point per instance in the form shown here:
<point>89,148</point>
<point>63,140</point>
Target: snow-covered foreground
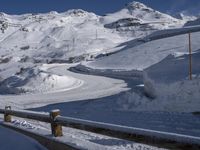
<point>80,139</point>
<point>79,89</point>
<point>133,109</point>
<point>10,139</point>
<point>168,82</point>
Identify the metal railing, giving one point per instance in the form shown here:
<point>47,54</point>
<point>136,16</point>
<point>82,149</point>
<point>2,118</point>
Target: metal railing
<point>151,137</point>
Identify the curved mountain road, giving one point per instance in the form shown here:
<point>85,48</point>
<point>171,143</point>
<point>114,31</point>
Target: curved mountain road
<point>86,87</point>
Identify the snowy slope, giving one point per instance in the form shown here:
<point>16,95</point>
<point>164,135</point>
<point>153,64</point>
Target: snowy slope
<point>147,54</point>
<point>27,41</point>
<point>184,16</point>
<point>166,69</point>
<point>140,11</point>
<point>76,33</point>
<point>33,45</point>
<point>67,86</point>
<point>137,17</point>
<point>193,22</point>
<point>168,82</point>
<point>55,36</point>
<point>31,41</point>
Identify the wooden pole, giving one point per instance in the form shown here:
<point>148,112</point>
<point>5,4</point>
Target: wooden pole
<point>190,57</point>
<point>56,129</point>
<point>96,34</point>
<point>7,117</point>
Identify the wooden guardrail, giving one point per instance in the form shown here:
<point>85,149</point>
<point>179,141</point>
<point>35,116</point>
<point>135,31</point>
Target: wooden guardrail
<point>151,137</point>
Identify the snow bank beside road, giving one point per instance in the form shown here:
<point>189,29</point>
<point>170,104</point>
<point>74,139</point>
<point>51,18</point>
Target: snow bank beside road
<point>168,82</point>
<point>47,83</point>
<point>108,72</point>
<point>33,80</point>
<point>92,87</point>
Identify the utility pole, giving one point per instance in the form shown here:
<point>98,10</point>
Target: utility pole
<point>73,41</point>
<point>96,34</point>
<point>190,57</point>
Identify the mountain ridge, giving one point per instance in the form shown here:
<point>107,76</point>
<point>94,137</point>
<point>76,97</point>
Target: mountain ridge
<point>76,33</point>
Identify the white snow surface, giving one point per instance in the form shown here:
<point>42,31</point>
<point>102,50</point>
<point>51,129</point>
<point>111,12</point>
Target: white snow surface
<point>144,13</point>
<point>61,36</point>
<point>185,16</point>
<point>55,36</point>
<point>79,139</point>
<point>193,22</point>
<point>147,54</point>
<point>33,45</point>
<point>19,141</point>
<point>30,40</point>
<point>77,89</point>
<point>166,70</point>
<point>169,82</point>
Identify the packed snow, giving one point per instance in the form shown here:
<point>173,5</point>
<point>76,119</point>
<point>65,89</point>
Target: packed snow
<point>77,91</point>
<point>169,81</point>
<point>147,54</point>
<point>166,69</point>
<point>80,139</point>
<point>17,141</point>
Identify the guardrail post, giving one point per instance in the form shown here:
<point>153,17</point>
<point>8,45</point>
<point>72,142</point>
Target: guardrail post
<point>56,129</point>
<point>7,117</point>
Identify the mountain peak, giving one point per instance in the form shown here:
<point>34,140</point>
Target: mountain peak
<point>136,5</point>
<point>77,12</point>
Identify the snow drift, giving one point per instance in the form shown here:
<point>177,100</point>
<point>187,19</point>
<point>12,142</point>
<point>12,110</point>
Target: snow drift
<point>169,82</point>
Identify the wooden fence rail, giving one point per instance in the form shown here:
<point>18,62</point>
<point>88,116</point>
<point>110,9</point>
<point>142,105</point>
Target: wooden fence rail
<point>151,137</point>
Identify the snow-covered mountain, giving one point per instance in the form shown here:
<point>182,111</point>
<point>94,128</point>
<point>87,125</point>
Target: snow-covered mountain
<point>77,32</point>
<point>184,16</point>
<point>29,40</point>
<point>37,51</point>
<point>55,36</point>
<point>141,12</point>
<point>193,22</point>
<point>137,17</point>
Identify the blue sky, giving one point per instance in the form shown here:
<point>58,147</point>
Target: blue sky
<point>98,6</point>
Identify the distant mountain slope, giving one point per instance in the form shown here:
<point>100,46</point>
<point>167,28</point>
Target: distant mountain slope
<point>184,16</point>
<point>140,57</point>
<point>136,13</point>
<point>77,33</point>
<point>58,36</point>
<point>193,22</point>
<point>27,41</point>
